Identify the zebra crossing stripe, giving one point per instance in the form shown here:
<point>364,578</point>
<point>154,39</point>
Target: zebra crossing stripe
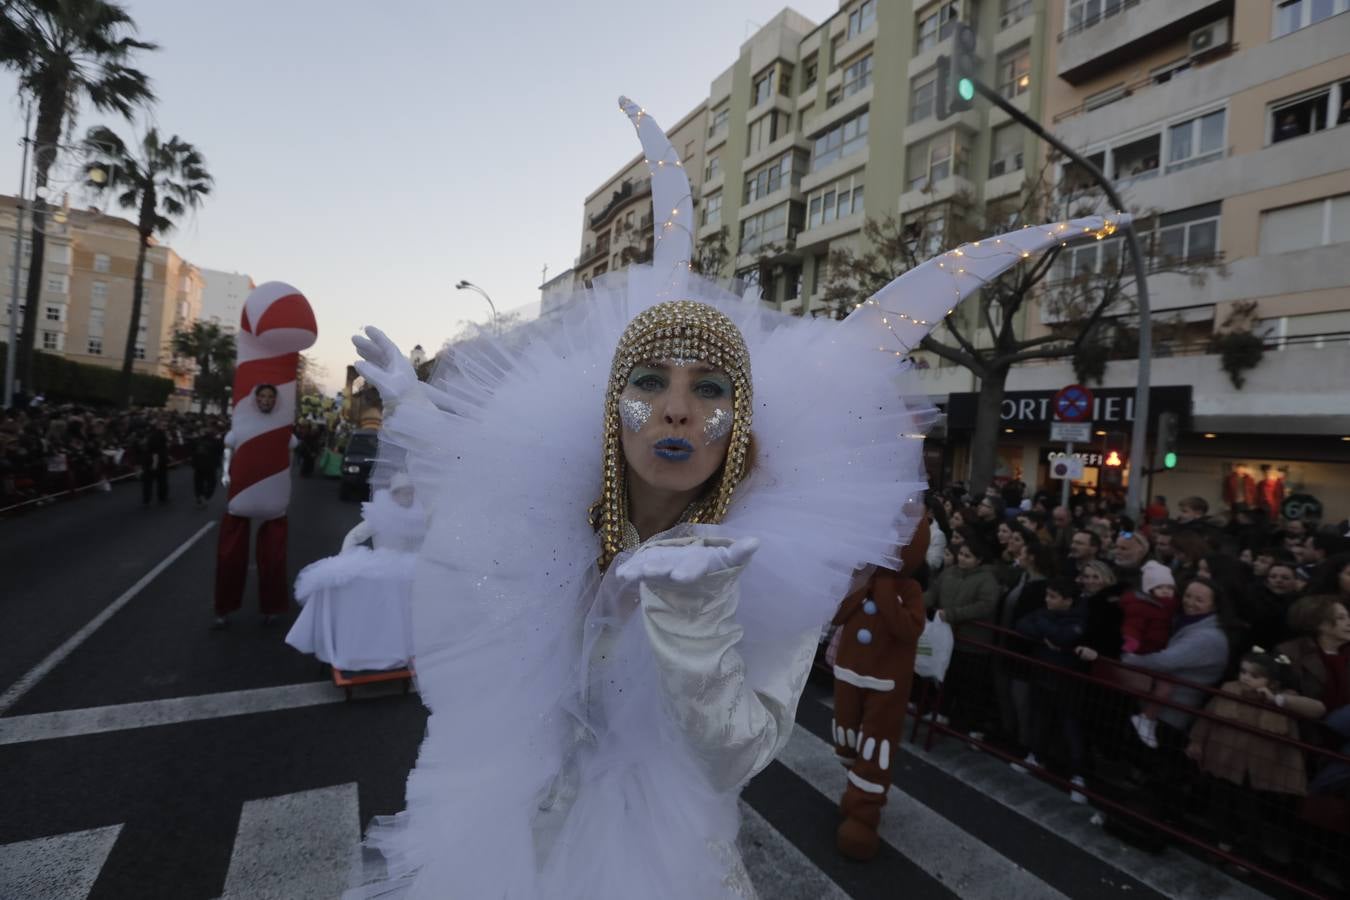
<point>63,867</point>
<point>969,867</point>
<point>777,868</point>
<point>296,846</point>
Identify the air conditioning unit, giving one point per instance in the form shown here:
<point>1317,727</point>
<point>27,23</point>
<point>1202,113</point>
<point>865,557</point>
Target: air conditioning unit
<point>1211,37</point>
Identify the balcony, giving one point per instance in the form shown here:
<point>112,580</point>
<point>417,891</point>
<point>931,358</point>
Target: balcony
<point>1112,32</point>
<point>629,191</point>
<point>592,252</point>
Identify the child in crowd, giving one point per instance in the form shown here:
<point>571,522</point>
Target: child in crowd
<point>1252,774</point>
<point>1054,631</point>
<point>1147,624</point>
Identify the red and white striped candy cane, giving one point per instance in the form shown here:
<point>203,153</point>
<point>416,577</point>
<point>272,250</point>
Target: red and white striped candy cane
<point>276,324</point>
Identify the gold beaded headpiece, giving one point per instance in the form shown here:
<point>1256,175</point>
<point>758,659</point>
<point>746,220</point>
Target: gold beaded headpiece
<point>686,330</point>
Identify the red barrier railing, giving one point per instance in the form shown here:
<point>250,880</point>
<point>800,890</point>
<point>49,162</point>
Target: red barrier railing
<point>1089,696</point>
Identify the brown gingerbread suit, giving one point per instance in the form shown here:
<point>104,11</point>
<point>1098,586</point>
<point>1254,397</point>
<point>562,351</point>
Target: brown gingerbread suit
<point>873,669</point>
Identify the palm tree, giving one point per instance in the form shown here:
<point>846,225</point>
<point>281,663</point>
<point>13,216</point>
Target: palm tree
<point>64,52</point>
<point>161,180</point>
<point>212,348</point>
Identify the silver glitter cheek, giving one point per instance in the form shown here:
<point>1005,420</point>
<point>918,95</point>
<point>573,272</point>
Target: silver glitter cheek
<point>717,426</point>
<point>634,414</point>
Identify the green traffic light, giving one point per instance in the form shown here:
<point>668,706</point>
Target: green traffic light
<point>1169,460</point>
<point>966,88</point>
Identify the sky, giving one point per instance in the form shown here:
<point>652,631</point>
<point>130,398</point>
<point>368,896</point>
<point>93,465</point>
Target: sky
<point>373,155</point>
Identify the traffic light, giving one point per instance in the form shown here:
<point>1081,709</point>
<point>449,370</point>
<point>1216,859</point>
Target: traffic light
<point>1166,449</point>
<point>958,74</point>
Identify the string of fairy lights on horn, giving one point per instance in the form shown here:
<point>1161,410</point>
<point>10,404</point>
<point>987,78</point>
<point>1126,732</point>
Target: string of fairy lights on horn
<point>952,262</point>
<point>636,114</point>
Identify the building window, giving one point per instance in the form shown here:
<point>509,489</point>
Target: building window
<point>1310,112</point>
<point>713,169</point>
<point>149,271</point>
<point>765,130</point>
<point>835,43</point>
<point>1080,14</point>
<point>809,72</point>
<point>57,284</point>
<point>1195,141</point>
<point>139,352</point>
<point>95,346</point>
<point>765,180</point>
<point>102,262</point>
<point>773,225</point>
<point>1187,235</point>
<point>51,340</point>
<point>1136,160</point>
<point>1176,69</point>
<point>1291,15</point>
<point>718,124</point>
<point>1006,150</point>
<point>59,254</point>
<point>936,23</point>
<point>844,139</point>
<point>1315,224</point>
<point>1091,258</point>
<point>922,95</point>
<point>1010,12</point>
<point>762,89</point>
<point>712,209</point>
<point>1014,71</point>
<point>95,326</point>
<point>926,232</point>
<point>53,314</point>
<point>837,201</point>
<point>862,18</point>
<point>858,76</point>
<point>937,158</point>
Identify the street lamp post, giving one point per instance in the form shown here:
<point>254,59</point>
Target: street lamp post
<point>470,286</point>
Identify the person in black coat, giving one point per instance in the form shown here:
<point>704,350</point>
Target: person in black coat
<point>207,451</point>
<point>155,463</point>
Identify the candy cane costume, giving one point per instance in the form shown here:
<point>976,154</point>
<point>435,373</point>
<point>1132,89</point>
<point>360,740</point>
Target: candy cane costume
<point>599,695</point>
<point>276,324</point>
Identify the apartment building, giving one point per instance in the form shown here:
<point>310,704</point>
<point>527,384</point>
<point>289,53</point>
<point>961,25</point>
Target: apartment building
<point>1227,124</point>
<point>816,127</point>
<point>86,299</point>
<point>223,296</point>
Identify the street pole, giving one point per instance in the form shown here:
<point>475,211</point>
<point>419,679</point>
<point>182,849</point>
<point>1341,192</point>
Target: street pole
<point>470,286</point>
<point>11,355</point>
<point>1139,428</point>
<point>1064,482</point>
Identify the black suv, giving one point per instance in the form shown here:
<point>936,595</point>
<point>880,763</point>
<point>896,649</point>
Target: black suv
<point>362,448</point>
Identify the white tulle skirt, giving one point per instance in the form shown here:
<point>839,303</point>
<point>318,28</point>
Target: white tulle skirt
<point>357,610</point>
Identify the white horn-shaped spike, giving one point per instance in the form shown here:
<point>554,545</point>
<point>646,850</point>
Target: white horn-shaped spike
<point>672,201</point>
<point>912,305</point>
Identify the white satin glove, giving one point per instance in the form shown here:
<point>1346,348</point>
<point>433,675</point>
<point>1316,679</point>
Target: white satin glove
<point>688,590</point>
<point>392,373</point>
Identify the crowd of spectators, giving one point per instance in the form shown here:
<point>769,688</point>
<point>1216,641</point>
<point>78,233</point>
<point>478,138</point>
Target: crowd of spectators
<point>1126,648</point>
<point>51,451</point>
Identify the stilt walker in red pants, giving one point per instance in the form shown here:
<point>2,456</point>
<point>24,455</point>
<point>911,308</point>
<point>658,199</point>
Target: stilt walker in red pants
<point>276,324</point>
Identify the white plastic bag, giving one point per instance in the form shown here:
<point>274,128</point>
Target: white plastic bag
<point>935,650</point>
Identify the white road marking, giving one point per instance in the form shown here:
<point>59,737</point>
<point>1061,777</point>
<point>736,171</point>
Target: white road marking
<point>147,714</point>
<point>777,868</point>
<point>965,864</point>
<point>63,867</point>
<point>53,659</point>
<point>296,846</point>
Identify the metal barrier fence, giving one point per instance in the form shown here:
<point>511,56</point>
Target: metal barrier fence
<point>1286,817</point>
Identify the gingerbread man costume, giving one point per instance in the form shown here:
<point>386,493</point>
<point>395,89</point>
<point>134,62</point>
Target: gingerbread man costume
<point>873,669</point>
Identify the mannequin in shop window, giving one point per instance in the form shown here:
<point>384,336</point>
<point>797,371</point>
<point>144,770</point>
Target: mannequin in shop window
<point>1239,487</point>
<point>1270,493</point>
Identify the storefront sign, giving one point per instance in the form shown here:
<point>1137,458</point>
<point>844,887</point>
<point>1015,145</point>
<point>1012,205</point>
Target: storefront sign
<point>1092,458</point>
<point>1110,406</point>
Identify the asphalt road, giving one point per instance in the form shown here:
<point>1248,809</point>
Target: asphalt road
<point>159,759</point>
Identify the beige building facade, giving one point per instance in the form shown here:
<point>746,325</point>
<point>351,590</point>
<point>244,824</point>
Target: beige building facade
<point>85,305</point>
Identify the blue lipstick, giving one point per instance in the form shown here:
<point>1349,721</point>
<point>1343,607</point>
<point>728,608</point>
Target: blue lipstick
<point>673,449</point>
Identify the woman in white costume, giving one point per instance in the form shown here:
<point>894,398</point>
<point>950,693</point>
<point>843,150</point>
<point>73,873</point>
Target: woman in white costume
<point>357,605</point>
<point>635,541</point>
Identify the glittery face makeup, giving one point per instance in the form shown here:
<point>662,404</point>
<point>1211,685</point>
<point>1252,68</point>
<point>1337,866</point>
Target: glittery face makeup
<point>716,426</point>
<point>634,413</point>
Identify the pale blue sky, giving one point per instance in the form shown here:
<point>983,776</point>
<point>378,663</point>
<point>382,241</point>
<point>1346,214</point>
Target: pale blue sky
<point>373,154</point>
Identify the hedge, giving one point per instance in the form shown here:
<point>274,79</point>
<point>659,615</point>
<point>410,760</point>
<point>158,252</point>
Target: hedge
<point>64,380</point>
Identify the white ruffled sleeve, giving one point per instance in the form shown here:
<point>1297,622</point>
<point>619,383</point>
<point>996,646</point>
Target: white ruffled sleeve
<point>734,729</point>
